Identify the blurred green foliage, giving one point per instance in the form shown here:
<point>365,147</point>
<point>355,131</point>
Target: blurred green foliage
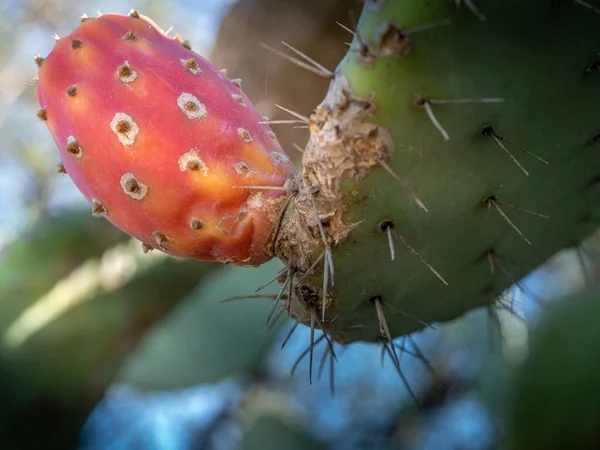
<point>212,340</point>
<point>68,319</point>
<point>270,432</point>
<point>47,252</point>
<point>554,400</point>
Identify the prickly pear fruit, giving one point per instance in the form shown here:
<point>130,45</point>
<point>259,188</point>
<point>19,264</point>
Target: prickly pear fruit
<point>160,142</point>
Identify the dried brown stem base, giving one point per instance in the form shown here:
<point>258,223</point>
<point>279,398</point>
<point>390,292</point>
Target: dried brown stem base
<point>343,145</point>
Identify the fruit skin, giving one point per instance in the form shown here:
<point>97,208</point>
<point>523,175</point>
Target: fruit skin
<point>409,49</point>
<point>156,138</point>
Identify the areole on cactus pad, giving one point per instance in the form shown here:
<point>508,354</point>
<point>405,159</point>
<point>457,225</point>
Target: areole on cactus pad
<point>161,143</point>
<point>456,150</point>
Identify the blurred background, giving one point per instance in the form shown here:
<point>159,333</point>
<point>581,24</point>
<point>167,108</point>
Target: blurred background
<point>103,347</point>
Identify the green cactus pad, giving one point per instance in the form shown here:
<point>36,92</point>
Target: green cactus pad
<point>272,433</point>
<point>68,320</point>
<point>203,340</point>
<point>447,101</point>
<point>553,398</point>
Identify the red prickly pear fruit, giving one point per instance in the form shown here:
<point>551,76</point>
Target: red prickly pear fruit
<point>158,141</point>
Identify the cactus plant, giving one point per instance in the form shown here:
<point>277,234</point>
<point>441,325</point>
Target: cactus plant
<point>451,156</point>
<point>455,151</point>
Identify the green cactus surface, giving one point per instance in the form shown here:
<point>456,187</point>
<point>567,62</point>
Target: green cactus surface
<point>193,326</point>
<point>553,400</point>
<point>66,330</point>
<point>487,117</point>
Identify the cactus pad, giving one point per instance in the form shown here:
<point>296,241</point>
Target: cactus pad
<point>457,150</point>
